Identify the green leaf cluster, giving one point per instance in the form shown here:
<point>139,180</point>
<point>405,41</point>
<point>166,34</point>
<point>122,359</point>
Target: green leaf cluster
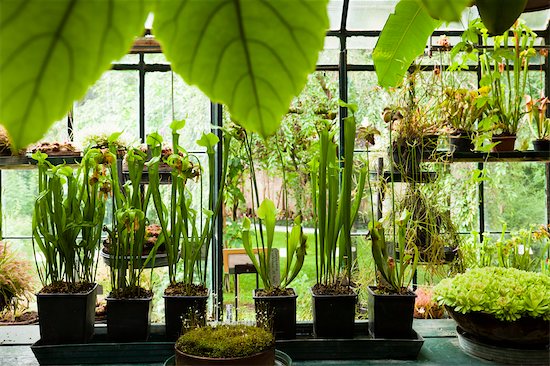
<point>68,217</point>
<point>253,56</point>
<point>506,293</point>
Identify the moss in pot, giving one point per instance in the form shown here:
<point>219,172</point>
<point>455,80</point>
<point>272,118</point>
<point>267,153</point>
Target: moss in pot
<point>226,345</point>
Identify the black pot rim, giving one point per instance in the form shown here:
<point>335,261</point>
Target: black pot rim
<point>339,295</point>
<point>372,288</point>
<point>109,298</point>
<point>254,296</point>
<point>187,296</point>
<point>72,294</point>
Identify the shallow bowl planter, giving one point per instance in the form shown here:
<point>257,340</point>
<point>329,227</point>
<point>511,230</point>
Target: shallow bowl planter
<point>334,315</point>
<point>525,331</point>
<point>180,309</point>
<point>161,259</point>
<point>277,313</point>
<point>128,320</point>
<point>264,358</point>
<point>66,318</point>
<point>391,315</point>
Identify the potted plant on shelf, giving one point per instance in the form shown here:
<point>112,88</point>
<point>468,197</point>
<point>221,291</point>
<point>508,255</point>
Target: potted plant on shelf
<point>187,234</point>
<point>506,307</point>
<point>539,123</point>
<point>391,301</point>
<point>67,220</point>
<point>462,109</point>
<point>128,303</point>
<point>226,345</point>
<point>334,212</point>
<point>504,63</point>
<point>275,302</point>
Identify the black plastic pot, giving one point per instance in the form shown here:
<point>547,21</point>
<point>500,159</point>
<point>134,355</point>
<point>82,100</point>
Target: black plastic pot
<point>277,313</point>
<point>334,315</point>
<point>505,143</point>
<point>461,143</point>
<point>66,318</point>
<point>541,145</point>
<point>391,316</point>
<point>128,320</point>
<point>180,310</point>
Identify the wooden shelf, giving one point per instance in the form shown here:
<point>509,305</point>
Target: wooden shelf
<point>26,162</point>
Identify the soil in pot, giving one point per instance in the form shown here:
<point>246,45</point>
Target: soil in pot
<point>333,311</point>
<point>226,345</point>
<point>66,312</point>
<point>184,307</point>
<point>129,315</point>
<point>276,310</point>
<point>391,315</point>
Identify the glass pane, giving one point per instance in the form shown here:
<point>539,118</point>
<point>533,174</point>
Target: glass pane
<point>369,15</point>
<point>330,53</point>
<point>128,59</point>
<point>188,103</point>
<point>360,50</point>
<point>111,105</point>
<point>515,196</point>
<point>19,189</point>
<point>537,20</point>
<point>57,132</point>
<point>155,58</point>
<point>335,13</point>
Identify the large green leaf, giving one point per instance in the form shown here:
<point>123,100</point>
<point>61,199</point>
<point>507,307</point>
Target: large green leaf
<point>403,38</point>
<point>52,50</point>
<point>253,56</point>
<point>447,10</point>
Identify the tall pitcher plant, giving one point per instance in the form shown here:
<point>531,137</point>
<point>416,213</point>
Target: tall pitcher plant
<point>186,232</point>
<point>335,208</point>
<point>67,219</point>
<point>127,235</point>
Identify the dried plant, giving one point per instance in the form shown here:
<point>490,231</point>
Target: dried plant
<point>16,283</point>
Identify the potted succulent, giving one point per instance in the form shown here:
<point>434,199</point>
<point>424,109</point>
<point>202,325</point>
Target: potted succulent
<point>226,345</point>
<point>391,301</point>
<point>186,233</point>
<point>128,303</point>
<point>504,305</point>
<point>539,123</point>
<point>67,220</point>
<point>462,109</point>
<point>334,211</point>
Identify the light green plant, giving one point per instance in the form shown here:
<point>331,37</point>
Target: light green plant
<point>462,109</point>
<point>127,235</point>
<point>507,293</point>
<point>396,273</point>
<point>293,30</point>
<point>186,232</point>
<point>68,217</point>
<point>334,209</point>
<point>260,246</point>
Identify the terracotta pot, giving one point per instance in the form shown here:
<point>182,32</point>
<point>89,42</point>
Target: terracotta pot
<point>525,331</point>
<point>506,143</point>
<point>264,358</point>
